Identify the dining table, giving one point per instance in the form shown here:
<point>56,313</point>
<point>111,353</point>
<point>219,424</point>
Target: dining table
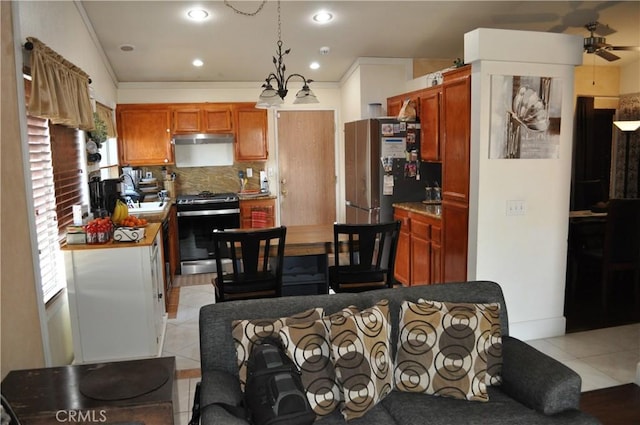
<point>306,259</point>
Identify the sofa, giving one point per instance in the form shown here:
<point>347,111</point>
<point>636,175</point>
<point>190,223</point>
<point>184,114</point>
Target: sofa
<point>535,388</point>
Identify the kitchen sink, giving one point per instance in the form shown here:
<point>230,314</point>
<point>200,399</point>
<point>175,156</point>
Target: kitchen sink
<point>148,207</point>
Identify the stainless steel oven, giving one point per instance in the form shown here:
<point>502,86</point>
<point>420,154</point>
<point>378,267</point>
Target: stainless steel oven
<point>198,216</point>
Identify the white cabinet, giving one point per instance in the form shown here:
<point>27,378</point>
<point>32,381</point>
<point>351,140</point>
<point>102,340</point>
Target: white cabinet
<point>116,299</point>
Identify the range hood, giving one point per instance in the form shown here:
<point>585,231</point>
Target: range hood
<point>203,150</point>
<point>202,139</point>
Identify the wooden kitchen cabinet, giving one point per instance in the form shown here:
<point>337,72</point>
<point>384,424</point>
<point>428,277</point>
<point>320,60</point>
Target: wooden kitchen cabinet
<point>430,101</point>
<point>456,124</point>
<point>144,134</point>
<point>402,269</point>
<point>394,103</point>
<point>202,118</point>
<point>251,132</point>
<point>266,208</point>
<point>116,300</point>
<point>419,254</point>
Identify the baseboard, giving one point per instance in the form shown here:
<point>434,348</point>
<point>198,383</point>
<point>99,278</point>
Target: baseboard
<point>537,329</point>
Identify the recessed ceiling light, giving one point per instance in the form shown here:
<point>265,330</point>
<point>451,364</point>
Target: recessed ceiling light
<point>314,65</point>
<point>322,17</point>
<point>197,62</point>
<point>127,48</point>
<point>197,14</point>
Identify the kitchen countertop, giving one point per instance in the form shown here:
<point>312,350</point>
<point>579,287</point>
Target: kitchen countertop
<point>256,196</point>
<point>150,232</point>
<point>431,210</point>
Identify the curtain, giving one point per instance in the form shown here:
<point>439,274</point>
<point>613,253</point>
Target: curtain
<point>59,90</point>
<point>106,114</point>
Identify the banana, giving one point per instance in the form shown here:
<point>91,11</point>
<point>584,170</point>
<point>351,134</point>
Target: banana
<point>120,212</point>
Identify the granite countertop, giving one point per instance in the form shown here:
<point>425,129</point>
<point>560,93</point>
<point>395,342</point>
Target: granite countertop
<point>253,195</point>
<point>431,210</point>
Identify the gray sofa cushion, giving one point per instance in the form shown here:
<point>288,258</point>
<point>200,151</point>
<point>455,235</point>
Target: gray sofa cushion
<point>421,409</point>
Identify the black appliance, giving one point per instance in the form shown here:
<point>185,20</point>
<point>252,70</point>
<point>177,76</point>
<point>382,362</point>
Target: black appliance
<point>198,216</point>
<point>103,195</point>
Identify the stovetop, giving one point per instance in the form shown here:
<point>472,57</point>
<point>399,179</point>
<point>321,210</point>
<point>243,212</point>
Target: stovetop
<point>207,197</point>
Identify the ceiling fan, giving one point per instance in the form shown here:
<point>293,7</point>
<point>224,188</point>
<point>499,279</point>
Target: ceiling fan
<point>598,45</point>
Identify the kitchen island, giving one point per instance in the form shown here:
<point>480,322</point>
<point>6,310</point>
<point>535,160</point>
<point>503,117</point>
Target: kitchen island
<point>116,296</point>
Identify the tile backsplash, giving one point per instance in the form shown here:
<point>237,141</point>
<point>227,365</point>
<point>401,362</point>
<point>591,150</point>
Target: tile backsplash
<point>214,179</point>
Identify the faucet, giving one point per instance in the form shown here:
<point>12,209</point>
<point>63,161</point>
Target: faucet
<point>133,183</point>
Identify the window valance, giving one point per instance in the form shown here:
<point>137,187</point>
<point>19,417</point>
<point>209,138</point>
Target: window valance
<point>106,114</point>
<point>59,89</point>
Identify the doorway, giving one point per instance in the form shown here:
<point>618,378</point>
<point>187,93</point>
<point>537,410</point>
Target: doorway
<point>307,167</point>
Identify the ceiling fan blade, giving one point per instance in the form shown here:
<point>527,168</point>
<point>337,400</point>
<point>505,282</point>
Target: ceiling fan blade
<point>605,54</point>
<point>604,30</point>
<point>630,48</point>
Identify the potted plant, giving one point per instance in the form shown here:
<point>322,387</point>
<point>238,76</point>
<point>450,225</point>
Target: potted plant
<point>97,136</point>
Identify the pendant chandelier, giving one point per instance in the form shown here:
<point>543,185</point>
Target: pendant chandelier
<point>273,96</point>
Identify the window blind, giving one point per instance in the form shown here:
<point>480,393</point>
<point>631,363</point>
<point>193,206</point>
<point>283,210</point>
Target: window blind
<point>56,175</point>
<point>44,202</point>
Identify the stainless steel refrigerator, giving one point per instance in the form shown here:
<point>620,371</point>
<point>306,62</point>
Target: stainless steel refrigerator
<point>382,167</point>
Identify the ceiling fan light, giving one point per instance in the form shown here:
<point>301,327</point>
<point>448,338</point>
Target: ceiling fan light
<point>305,96</point>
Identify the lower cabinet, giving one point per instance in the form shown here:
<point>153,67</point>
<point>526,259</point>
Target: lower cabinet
<point>257,213</point>
<point>419,254</point>
<point>116,299</point>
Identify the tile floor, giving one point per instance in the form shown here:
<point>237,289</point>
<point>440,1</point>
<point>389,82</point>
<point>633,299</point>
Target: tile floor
<point>603,357</point>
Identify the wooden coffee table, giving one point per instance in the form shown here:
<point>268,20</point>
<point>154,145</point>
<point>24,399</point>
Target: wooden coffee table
<point>131,392</point>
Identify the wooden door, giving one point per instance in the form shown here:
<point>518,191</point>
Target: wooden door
<point>306,158</point>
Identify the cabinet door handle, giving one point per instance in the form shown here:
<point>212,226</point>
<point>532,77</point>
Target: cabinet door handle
<point>159,295</point>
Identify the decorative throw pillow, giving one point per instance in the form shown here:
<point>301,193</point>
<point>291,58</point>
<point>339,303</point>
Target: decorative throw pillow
<point>440,350</point>
<point>362,357</point>
<point>246,332</point>
<point>491,341</point>
<point>309,346</point>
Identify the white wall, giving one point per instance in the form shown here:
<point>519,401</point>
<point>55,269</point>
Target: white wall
<point>630,78</point>
<point>60,26</point>
<point>525,254</point>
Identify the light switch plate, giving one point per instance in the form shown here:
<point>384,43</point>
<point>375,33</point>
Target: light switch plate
<point>516,207</point>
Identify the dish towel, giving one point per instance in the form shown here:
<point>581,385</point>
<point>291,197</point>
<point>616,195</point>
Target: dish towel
<point>258,218</point>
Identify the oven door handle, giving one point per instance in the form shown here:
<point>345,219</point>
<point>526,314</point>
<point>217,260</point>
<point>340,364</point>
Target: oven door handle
<point>228,211</point>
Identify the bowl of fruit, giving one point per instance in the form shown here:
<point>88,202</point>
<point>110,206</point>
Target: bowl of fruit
<point>130,229</point>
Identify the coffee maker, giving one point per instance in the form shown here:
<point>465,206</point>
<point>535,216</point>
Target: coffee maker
<point>103,195</point>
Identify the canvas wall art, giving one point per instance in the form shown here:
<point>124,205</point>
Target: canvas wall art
<point>525,117</point>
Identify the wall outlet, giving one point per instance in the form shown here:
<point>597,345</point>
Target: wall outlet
<point>516,207</point>
<point>249,172</point>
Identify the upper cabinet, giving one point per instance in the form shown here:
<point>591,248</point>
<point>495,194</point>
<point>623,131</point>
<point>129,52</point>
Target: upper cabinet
<point>145,130</point>
<point>430,130</point>
<point>251,132</point>
<point>144,134</point>
<point>201,118</point>
<point>456,128</point>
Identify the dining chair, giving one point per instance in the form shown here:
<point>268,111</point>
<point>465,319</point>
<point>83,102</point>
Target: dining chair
<point>256,258</point>
<point>369,256</point>
<point>620,252</point>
